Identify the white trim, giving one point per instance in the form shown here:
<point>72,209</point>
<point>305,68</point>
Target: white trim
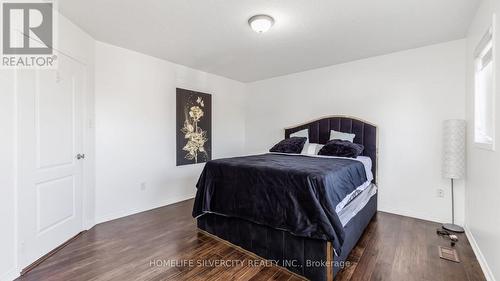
<point>88,148</point>
<point>10,275</point>
<point>17,255</point>
<point>415,215</point>
<point>479,255</point>
<point>121,214</point>
<point>481,145</point>
<point>485,146</point>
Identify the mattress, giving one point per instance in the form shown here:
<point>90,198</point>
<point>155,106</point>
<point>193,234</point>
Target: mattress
<point>357,204</point>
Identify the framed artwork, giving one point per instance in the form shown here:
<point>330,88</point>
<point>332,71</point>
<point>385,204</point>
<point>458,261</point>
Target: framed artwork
<point>193,127</point>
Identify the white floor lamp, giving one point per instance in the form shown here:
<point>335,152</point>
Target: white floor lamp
<point>453,161</point>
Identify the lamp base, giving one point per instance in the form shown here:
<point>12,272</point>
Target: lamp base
<point>453,228</point>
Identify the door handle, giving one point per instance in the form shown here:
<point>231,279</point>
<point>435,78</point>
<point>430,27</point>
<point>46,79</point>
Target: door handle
<point>80,156</point>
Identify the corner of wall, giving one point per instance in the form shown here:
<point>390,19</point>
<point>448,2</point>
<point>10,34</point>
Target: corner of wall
<point>482,182</point>
<point>479,255</point>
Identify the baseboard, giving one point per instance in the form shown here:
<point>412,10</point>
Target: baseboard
<point>10,275</point>
<point>89,224</point>
<point>124,213</point>
<point>50,254</point>
<point>479,255</point>
<point>418,216</point>
<point>410,214</point>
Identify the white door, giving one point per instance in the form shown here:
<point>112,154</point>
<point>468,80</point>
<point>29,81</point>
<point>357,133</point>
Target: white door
<point>50,135</point>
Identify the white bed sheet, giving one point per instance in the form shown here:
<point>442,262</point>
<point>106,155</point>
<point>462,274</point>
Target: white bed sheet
<point>357,204</point>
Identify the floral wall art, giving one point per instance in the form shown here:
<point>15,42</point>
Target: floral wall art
<point>194,127</point>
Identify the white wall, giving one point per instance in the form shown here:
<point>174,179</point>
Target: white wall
<point>7,176</point>
<point>483,177</point>
<point>407,94</point>
<point>135,126</point>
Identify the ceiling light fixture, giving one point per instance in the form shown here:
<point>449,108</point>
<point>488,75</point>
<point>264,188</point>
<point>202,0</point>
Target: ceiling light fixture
<point>261,23</point>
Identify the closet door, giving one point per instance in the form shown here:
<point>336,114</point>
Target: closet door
<point>50,156</point>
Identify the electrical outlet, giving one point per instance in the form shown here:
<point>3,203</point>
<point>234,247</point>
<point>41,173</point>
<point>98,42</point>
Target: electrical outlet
<point>143,186</point>
<point>440,192</point>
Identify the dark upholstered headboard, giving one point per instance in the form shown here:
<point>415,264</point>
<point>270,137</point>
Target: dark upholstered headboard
<point>366,134</point>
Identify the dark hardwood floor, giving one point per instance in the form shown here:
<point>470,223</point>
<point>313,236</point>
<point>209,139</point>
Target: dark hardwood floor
<point>140,247</point>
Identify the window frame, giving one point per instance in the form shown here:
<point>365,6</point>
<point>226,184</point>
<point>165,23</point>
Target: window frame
<point>477,52</point>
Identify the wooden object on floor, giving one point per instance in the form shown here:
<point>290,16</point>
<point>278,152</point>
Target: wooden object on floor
<point>138,247</point>
<point>448,254</point>
<point>329,260</point>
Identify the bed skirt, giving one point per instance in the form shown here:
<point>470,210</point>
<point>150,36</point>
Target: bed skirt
<point>311,258</point>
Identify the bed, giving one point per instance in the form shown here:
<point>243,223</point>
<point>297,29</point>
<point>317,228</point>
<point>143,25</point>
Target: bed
<point>284,208</point>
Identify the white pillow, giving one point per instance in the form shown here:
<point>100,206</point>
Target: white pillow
<point>314,148</point>
<point>318,148</point>
<point>311,148</point>
<point>301,134</point>
<point>334,135</point>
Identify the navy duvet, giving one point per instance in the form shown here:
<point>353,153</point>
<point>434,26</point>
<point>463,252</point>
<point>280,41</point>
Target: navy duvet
<point>294,193</point>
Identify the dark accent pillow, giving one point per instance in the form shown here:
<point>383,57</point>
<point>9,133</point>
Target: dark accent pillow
<point>341,148</point>
<point>290,145</point>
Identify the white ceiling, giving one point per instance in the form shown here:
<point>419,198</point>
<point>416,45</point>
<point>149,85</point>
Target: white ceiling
<point>214,36</point>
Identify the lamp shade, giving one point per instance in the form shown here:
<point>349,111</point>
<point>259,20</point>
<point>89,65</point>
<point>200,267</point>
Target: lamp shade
<point>454,149</point>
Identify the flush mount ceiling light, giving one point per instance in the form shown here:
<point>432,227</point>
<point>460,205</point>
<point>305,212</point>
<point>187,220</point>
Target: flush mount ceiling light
<point>261,23</point>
